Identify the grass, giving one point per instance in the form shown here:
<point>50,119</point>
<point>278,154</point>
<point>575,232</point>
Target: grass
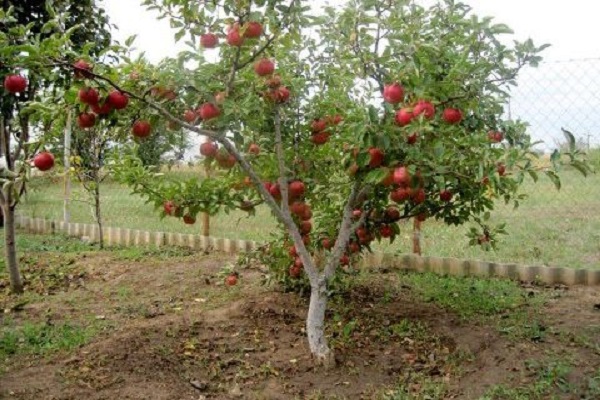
<point>503,303</point>
<point>467,296</point>
<point>42,338</point>
<point>32,245</point>
<point>555,228</point>
<point>550,377</point>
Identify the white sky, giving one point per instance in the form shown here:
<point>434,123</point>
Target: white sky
<point>571,27</point>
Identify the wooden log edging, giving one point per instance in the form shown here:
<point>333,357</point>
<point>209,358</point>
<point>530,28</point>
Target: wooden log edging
<point>438,265</point>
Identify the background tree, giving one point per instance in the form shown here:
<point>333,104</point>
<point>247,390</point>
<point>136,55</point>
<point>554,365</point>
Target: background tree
<point>32,32</point>
<point>342,125</point>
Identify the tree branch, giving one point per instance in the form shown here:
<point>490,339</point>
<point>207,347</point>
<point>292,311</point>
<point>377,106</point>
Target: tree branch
<point>344,233</point>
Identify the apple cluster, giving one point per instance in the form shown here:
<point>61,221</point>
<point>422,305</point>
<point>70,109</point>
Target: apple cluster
<point>319,128</point>
<point>95,106</point>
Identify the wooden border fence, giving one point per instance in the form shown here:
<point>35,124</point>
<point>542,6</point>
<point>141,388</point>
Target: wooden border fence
<point>439,265</point>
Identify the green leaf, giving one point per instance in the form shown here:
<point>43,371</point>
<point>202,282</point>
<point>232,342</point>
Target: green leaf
<point>581,167</point>
<point>570,139</point>
<point>129,41</point>
<point>554,178</point>
<point>555,157</point>
<point>373,115</point>
<point>533,175</point>
<point>376,176</point>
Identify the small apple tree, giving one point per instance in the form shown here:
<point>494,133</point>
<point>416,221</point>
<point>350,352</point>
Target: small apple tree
<point>32,33</point>
<point>342,124</point>
<point>105,122</point>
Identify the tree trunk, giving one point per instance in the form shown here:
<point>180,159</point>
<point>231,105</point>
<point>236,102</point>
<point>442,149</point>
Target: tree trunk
<point>206,216</point>
<point>98,214</point>
<point>315,326</point>
<point>16,282</point>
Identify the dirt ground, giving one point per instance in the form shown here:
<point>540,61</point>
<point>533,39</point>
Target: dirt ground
<point>169,329</point>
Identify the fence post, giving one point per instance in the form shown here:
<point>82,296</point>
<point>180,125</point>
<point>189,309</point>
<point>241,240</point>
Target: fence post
<point>416,236</point>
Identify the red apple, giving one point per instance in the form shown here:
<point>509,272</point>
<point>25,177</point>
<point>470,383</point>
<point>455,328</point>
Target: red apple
<point>209,149</point>
<point>344,260</point>
<point>421,217</point>
<point>89,96</point>
<point>353,247</point>
<point>376,157</point>
<point>318,125</point>
<point>401,176</point>
<point>264,67</point>
<point>412,138</point>
<point>404,116</point>
<point>275,191</point>
<point>326,243</point>
<point>15,84</point>
<point>356,213</point>
<point>43,161</point>
<point>501,168</point>
<point>400,194</point>
<point>292,251</point>
<point>320,138</point>
<point>234,38</point>
<point>392,214</point>
<point>418,196</point>
<point>231,280</point>
<point>282,94</point>
<point>495,137</point>
<point>82,69</point>
<point>305,227</point>
<point>190,116</point>
<point>297,189</point>
<point>162,93</point>
<point>353,169</point>
<point>334,120</point>
<point>452,115</point>
<point>425,108</point>
<point>267,185</point>
<point>103,109</point>
<point>295,271</point>
<point>393,93</point>
<point>225,160</point>
<point>169,207</point>
<point>386,231</point>
<point>298,208</point>
<point>361,232</point>
<point>253,30</point>
<point>117,100</point>
<point>306,240</point>
<point>141,129</point>
<point>254,149</point>
<point>298,262</point>
<point>86,120</point>
<point>208,111</point>
<point>307,214</point>
<point>220,97</point>
<point>445,195</point>
<point>274,82</point>
<point>209,40</point>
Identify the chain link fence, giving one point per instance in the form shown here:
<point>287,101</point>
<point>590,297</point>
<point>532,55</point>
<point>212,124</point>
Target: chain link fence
<point>559,94</point>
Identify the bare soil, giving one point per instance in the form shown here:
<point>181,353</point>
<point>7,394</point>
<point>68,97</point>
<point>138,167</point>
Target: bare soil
<point>172,330</point>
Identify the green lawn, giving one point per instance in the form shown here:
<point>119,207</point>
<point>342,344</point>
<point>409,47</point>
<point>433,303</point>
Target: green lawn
<point>558,228</point>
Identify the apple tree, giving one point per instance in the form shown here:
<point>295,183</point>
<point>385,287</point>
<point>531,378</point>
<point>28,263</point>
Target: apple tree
<point>342,122</point>
<point>32,34</point>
